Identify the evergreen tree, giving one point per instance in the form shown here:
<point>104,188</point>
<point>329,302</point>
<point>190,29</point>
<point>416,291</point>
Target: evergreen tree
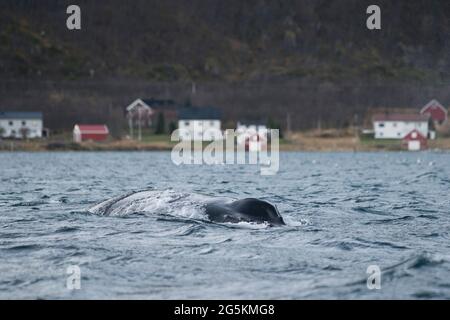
<point>160,124</point>
<point>172,127</point>
<point>272,124</point>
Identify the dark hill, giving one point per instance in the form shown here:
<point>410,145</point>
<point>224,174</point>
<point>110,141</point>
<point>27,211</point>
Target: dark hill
<point>312,60</point>
<point>226,40</point>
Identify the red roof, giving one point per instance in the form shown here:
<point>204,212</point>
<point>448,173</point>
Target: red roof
<point>414,135</point>
<point>401,117</point>
<point>436,111</point>
<point>93,128</point>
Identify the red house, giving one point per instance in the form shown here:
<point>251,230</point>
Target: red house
<point>255,142</point>
<point>436,111</point>
<point>94,132</point>
<point>415,141</point>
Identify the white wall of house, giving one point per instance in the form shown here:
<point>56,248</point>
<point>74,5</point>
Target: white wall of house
<point>13,128</point>
<point>398,129</point>
<point>77,134</point>
<point>199,130</point>
<point>244,131</point>
<point>414,145</point>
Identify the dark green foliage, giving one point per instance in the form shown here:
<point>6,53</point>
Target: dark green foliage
<point>172,127</point>
<point>312,59</point>
<point>160,124</point>
<point>180,40</point>
<point>272,124</point>
<point>116,123</point>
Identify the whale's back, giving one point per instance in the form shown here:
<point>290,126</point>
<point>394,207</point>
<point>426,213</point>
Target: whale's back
<point>188,205</point>
<point>261,211</point>
<point>152,202</point>
<point>245,210</point>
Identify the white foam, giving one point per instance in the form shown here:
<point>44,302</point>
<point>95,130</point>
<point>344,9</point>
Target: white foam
<point>290,221</point>
<point>248,225</point>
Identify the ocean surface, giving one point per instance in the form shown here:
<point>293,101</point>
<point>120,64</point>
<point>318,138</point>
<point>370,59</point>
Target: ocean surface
<point>344,213</point>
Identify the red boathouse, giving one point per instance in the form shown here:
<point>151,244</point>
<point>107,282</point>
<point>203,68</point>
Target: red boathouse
<point>415,141</point>
<point>94,132</point>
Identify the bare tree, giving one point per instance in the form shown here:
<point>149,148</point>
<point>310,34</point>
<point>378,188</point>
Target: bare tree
<point>24,133</point>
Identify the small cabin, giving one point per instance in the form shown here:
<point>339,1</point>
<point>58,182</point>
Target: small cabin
<point>415,141</point>
<point>90,132</point>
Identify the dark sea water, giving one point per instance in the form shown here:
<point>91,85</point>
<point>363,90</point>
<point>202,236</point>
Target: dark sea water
<point>344,212</point>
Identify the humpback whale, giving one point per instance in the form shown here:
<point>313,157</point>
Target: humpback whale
<point>248,210</point>
<point>219,210</point>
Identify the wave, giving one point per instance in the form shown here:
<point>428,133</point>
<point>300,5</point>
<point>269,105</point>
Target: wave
<point>424,259</point>
<point>29,203</point>
<point>405,269</point>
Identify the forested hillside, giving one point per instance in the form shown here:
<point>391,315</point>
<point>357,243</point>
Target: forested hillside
<point>227,40</point>
<point>313,60</point>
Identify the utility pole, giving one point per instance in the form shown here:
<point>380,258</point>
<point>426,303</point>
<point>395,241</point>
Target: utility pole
<point>356,126</point>
<point>130,123</point>
<point>288,123</point>
<point>356,123</point>
<point>139,125</point>
<point>356,131</point>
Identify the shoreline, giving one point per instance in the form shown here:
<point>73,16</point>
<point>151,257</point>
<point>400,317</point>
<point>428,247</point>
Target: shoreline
<point>296,143</point>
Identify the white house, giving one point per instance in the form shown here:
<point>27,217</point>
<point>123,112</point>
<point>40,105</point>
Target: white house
<point>254,136</point>
<point>199,123</point>
<point>20,125</point>
<point>139,113</point>
<point>397,126</point>
<point>137,104</point>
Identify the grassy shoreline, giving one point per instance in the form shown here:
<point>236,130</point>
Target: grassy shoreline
<point>295,142</point>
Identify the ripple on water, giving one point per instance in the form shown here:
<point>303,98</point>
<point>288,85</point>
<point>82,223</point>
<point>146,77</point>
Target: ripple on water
<point>29,203</point>
<point>23,247</point>
<point>370,210</point>
<point>391,220</point>
<point>66,229</point>
<point>343,211</point>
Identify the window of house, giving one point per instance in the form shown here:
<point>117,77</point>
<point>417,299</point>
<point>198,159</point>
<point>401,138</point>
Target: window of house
<point>394,124</point>
<point>211,123</point>
<point>381,125</point>
<point>186,123</point>
<point>11,123</point>
<point>24,123</point>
